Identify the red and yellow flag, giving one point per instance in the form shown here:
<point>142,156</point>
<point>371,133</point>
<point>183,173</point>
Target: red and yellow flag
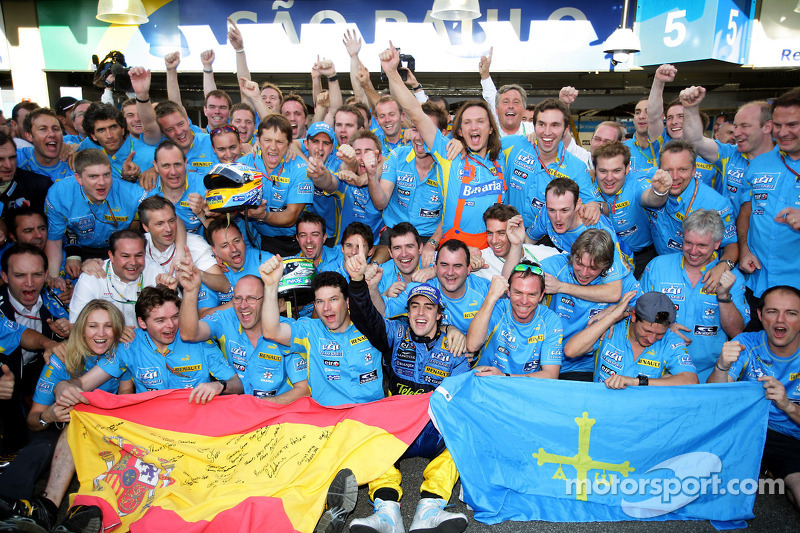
<point>155,462</point>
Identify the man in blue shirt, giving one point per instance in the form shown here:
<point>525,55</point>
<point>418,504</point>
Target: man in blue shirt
<point>640,350</point>
<point>389,116</point>
<point>772,356</point>
<point>43,130</point>
<point>577,291</point>
<point>517,336</point>
<point>562,222</point>
<point>343,367</point>
<point>704,320</point>
<point>530,167</point>
<point>177,186</point>
<point>268,370</point>
<point>626,195</point>
<point>107,130</point>
<point>686,195</point>
<point>770,218</point>
<point>93,206</point>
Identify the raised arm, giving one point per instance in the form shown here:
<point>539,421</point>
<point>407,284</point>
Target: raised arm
<point>207,57</point>
<point>488,88</point>
<point>189,325</point>
<point>693,124</point>
<point>479,327</point>
<point>658,193</point>
<point>335,101</point>
<point>235,38</point>
<point>582,342</point>
<point>272,328</point>
<point>655,102</point>
<point>353,45</point>
<point>249,92</point>
<point>171,62</point>
<point>568,95</point>
<point>140,80</point>
<point>366,85</point>
<point>412,108</point>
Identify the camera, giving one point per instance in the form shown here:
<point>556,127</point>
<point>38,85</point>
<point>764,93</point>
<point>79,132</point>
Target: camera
<point>112,72</point>
<point>407,64</point>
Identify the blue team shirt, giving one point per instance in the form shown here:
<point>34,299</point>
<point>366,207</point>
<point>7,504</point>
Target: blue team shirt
<point>626,212</point>
<point>324,204</point>
<point>288,184</point>
<point>623,257</point>
<point>642,158</point>
<point>732,165</point>
<point>666,222</point>
<point>68,208</point>
<point>527,179</point>
<point>26,160</point>
<point>697,309</point>
<point>342,367</point>
<point>184,366</point>
<point>144,154</point>
<point>194,184</point>
<point>758,360</point>
<point>10,335</point>
<point>614,355</point>
<point>55,371</point>
<point>705,171</point>
<point>355,205</point>
<point>575,313</point>
<point>201,156</point>
<point>252,260</point>
<point>266,369</point>
<point>414,199</point>
<point>774,244</point>
<point>518,348</point>
<point>386,146</point>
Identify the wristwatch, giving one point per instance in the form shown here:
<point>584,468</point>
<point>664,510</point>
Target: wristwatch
<point>224,385</point>
<point>730,263</point>
<point>42,422</point>
<point>643,380</point>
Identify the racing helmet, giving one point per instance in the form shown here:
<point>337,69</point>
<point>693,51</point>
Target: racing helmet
<point>295,285</point>
<point>233,187</point>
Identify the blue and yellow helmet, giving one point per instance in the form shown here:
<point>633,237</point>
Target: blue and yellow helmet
<point>233,187</point>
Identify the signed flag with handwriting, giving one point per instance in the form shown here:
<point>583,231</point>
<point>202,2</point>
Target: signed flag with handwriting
<point>155,462</point>
<point>659,453</point>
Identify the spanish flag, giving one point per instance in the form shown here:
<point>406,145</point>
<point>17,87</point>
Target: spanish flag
<point>155,462</point>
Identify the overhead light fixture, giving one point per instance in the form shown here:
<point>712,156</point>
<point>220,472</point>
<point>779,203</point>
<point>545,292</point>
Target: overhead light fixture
<point>456,9</point>
<point>128,12</point>
<point>797,7</point>
<point>622,43</point>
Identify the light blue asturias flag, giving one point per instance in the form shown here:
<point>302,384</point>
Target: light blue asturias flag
<point>656,453</point>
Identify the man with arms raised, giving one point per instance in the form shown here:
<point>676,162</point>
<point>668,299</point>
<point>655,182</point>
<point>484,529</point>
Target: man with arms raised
<point>704,320</point>
<point>416,358</point>
<point>507,104</point>
<point>472,182</point>
<point>343,367</point>
<point>770,356</point>
<point>641,350</point>
<point>267,369</point>
<point>753,135</point>
<point>517,336</point>
<point>687,194</point>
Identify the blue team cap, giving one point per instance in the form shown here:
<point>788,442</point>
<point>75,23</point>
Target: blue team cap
<point>428,291</point>
<point>321,127</point>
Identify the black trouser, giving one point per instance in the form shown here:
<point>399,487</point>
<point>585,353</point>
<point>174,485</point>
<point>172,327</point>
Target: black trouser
<point>641,259</point>
<point>19,478</point>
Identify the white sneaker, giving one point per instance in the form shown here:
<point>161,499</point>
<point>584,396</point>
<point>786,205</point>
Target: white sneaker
<point>430,517</point>
<point>386,519</point>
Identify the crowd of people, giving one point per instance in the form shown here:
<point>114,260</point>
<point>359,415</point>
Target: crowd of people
<point>488,242</point>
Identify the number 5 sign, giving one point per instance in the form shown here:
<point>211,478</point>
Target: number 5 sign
<point>689,30</point>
